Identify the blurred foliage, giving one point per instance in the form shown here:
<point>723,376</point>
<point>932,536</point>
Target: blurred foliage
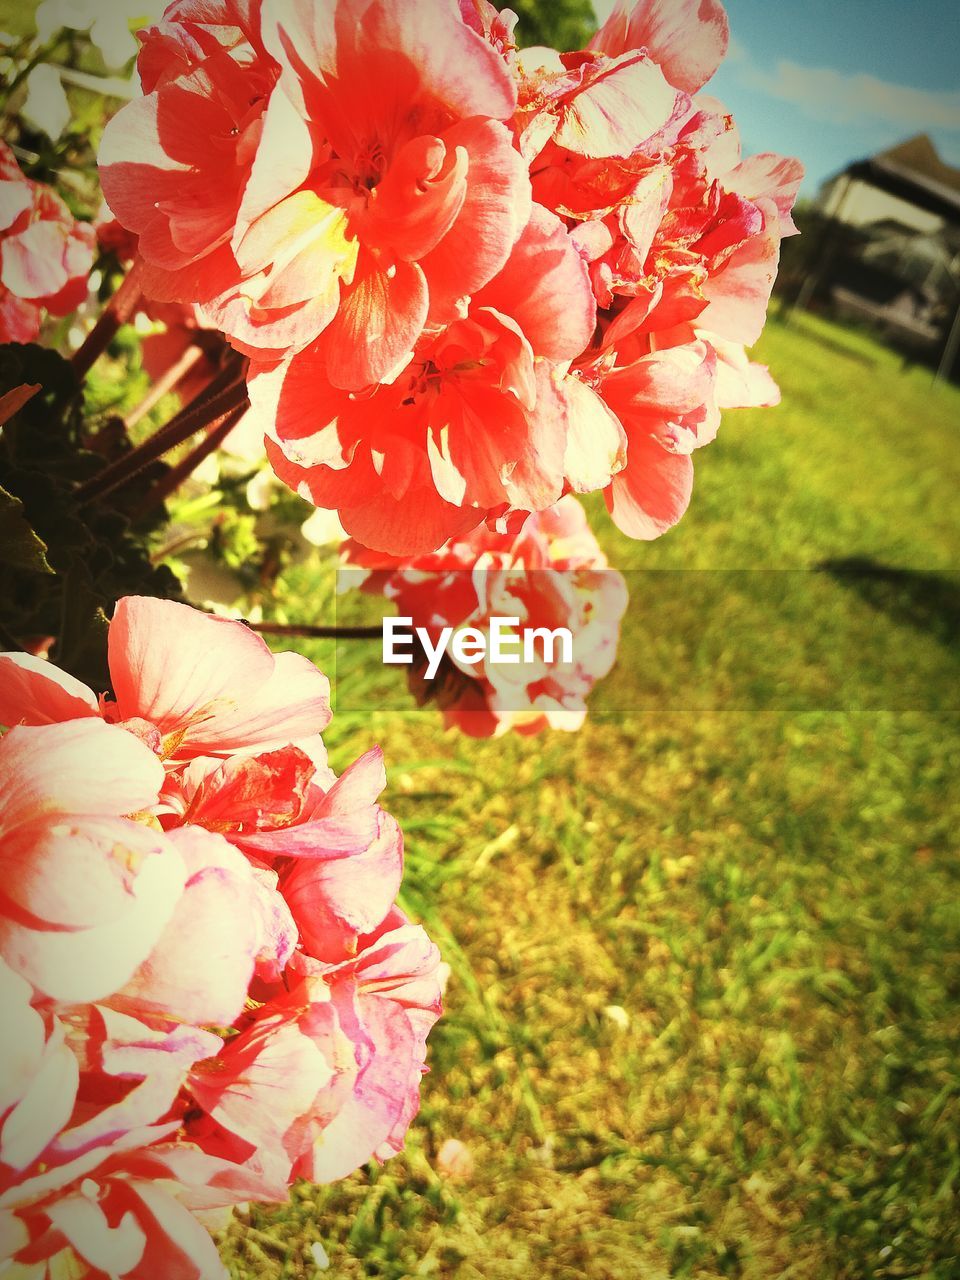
<point>560,24</point>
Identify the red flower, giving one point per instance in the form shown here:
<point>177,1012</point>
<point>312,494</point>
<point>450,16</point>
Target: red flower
<point>360,198</point>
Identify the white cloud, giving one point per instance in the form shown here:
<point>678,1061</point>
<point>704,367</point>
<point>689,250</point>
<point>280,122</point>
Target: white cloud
<point>826,94</point>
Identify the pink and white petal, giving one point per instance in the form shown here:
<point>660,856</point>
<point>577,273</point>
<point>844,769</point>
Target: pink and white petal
<point>545,288</point>
<point>378,323</point>
<point>653,492</point>
<point>19,320</point>
<point>83,965</point>
<point>455,66</point>
<point>75,873</point>
<point>378,1100</point>
<point>769,177</point>
<point>22,1045</point>
<point>83,767</point>
<point>111,1250</point>
<point>32,262</point>
<point>495,210</point>
<point>16,197</point>
<point>335,899</point>
<point>282,163</point>
<point>268,1080</point>
<point>620,105</point>
<point>34,691</point>
<point>218,906</point>
<point>293,702</point>
<point>181,669</point>
<point>359,786</point>
<point>741,382</point>
<point>596,448</point>
<point>46,1106</point>
<point>177,1246</point>
<point>738,293</point>
<point>688,38</point>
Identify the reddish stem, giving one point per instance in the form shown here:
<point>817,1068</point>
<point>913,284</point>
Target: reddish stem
<point>316,633</point>
<point>183,470</point>
<point>169,382</point>
<point>118,311</point>
<point>225,395</point>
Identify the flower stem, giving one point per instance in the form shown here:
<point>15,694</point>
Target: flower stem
<point>316,633</point>
<point>183,470</point>
<point>166,384</point>
<point>226,394</point>
<point>117,312</point>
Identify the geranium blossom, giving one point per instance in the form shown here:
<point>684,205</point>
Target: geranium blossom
<point>484,418</point>
<point>230,692</point>
<point>464,273</point>
<point>549,575</point>
<point>370,189</point>
<point>45,254</point>
<point>209,987</point>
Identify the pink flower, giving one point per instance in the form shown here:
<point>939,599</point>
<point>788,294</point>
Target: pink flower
<point>335,854</point>
<point>551,574</point>
<point>209,988</point>
<point>86,891</point>
<point>186,683</point>
<point>174,163</point>
<point>680,236</point>
<point>330,1069</point>
<point>356,213</point>
<point>45,255</point>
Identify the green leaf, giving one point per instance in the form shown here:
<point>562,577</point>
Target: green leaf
<point>20,545</point>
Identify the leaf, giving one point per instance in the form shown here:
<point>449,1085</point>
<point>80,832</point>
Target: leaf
<point>20,545</point>
<point>13,401</point>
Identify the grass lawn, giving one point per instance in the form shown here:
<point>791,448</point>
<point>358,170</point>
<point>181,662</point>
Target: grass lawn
<point>749,850</point>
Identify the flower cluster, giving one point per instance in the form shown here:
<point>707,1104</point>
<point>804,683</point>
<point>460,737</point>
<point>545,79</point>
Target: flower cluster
<point>469,279</point>
<point>207,987</point>
<point>550,575</point>
<point>45,255</point>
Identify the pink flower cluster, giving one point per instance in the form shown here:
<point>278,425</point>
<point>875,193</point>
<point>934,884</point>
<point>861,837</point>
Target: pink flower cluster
<point>45,255</point>
<point>207,988</point>
<point>469,279</point>
<point>550,575</point>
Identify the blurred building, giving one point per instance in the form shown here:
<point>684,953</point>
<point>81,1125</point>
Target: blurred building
<point>888,251</point>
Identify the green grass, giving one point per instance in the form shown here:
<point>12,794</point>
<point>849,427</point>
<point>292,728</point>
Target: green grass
<point>750,849</point>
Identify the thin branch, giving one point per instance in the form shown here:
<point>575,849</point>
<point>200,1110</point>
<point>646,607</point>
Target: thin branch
<point>183,470</point>
<point>305,632</point>
<point>118,311</point>
<point>225,395</point>
<point>166,384</point>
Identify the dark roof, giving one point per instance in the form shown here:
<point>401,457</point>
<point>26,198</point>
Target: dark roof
<point>918,157</point>
<point>914,171</point>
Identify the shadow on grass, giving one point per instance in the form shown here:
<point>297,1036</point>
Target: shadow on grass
<point>928,602</point>
<point>837,344</point>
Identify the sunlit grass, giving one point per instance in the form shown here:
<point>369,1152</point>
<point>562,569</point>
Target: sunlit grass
<point>750,850</point>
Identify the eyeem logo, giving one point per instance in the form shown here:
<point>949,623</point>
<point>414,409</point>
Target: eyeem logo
<point>468,646</point>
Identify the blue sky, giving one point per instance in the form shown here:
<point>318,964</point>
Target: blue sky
<point>831,82</point>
